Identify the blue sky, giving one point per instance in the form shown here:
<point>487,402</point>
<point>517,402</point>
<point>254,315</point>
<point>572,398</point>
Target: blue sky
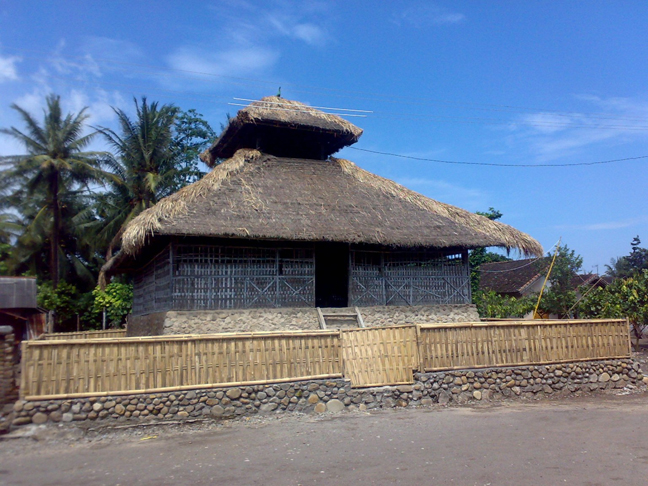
<point>497,82</point>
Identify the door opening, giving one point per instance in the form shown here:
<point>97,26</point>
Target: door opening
<point>332,275</point>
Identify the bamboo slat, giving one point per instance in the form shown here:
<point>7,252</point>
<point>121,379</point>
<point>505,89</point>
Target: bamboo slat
<point>508,343</point>
<point>104,366</point>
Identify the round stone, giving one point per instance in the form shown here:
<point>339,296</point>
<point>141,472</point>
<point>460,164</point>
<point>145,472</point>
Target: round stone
<point>320,408</point>
<point>477,395</point>
<point>97,407</point>
<point>233,393</point>
<point>39,418</point>
<point>313,398</point>
<point>217,411</point>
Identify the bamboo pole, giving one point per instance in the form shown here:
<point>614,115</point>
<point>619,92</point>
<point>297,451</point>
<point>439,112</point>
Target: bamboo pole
<point>204,386</point>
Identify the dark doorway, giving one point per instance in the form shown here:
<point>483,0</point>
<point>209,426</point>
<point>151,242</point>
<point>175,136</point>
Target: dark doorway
<point>332,275</point>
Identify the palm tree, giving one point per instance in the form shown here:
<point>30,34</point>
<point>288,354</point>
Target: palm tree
<point>144,166</point>
<point>54,167</point>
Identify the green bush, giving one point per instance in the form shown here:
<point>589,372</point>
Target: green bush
<point>117,299</point>
<point>493,305</point>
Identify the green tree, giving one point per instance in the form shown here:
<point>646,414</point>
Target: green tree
<point>629,265</point>
<point>191,136</point>
<point>618,268</point>
<point>63,300</point>
<point>560,296</point>
<point>623,298</point>
<point>479,256</point>
<point>55,164</point>
<point>145,168</point>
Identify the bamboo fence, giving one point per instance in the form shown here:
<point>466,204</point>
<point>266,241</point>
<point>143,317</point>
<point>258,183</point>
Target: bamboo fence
<point>368,357</point>
<point>66,369</point>
<point>527,342</point>
<point>64,336</point>
<point>380,355</point>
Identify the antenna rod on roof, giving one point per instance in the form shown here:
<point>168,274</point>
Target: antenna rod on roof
<point>279,93</point>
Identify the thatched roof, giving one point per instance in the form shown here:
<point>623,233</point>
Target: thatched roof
<point>259,196</point>
<point>283,127</point>
<point>512,277</point>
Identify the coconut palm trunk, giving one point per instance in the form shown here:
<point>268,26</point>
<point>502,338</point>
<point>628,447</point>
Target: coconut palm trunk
<point>56,231</point>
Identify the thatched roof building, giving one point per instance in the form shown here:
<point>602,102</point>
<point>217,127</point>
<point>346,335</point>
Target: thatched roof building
<point>281,209</point>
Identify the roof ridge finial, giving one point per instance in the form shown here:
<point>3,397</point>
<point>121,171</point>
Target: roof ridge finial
<point>279,92</point>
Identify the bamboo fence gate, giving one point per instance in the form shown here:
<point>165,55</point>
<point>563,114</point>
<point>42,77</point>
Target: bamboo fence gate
<point>368,357</point>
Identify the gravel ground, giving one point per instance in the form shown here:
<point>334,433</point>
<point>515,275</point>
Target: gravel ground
<point>588,440</point>
<point>585,440</point>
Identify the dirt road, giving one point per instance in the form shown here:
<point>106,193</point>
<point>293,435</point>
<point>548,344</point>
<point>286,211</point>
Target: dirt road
<point>594,441</point>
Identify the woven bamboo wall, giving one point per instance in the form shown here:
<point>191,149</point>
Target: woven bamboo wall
<point>380,355</point>
<point>94,367</point>
<point>63,336</point>
<point>507,343</point>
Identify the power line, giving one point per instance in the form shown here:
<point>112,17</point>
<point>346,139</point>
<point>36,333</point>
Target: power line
<point>493,164</point>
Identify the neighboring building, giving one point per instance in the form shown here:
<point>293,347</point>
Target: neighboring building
<point>18,307</point>
<point>591,279</point>
<point>519,278</point>
<point>281,224</point>
<point>515,278</point>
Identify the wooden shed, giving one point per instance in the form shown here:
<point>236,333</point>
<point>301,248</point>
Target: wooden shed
<point>282,223</point>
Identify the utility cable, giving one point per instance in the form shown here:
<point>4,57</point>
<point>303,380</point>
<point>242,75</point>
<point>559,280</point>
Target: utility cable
<point>494,164</point>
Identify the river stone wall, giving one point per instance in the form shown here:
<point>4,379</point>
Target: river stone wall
<point>254,320</point>
<point>318,396</point>
<point>8,388</point>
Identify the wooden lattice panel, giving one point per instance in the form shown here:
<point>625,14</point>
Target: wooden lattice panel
<point>408,278</point>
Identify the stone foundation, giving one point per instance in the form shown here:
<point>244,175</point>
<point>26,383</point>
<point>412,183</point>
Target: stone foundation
<point>531,382</point>
<point>8,388</point>
<point>254,320</point>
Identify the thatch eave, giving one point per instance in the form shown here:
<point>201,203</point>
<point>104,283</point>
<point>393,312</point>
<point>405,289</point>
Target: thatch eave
<point>283,118</point>
<point>258,196</point>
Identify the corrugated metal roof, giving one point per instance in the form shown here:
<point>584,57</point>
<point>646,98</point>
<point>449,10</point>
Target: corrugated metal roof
<point>17,292</point>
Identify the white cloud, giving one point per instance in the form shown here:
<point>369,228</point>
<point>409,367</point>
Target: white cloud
<point>112,49</point>
<point>423,14</point>
<point>249,38</point>
<point>235,62</point>
<point>8,71</point>
<point>310,33</point>
<point>550,136</point>
<point>608,225</point>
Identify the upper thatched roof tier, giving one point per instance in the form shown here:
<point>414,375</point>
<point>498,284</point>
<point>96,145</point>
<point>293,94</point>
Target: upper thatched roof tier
<point>284,128</point>
<point>259,196</point>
